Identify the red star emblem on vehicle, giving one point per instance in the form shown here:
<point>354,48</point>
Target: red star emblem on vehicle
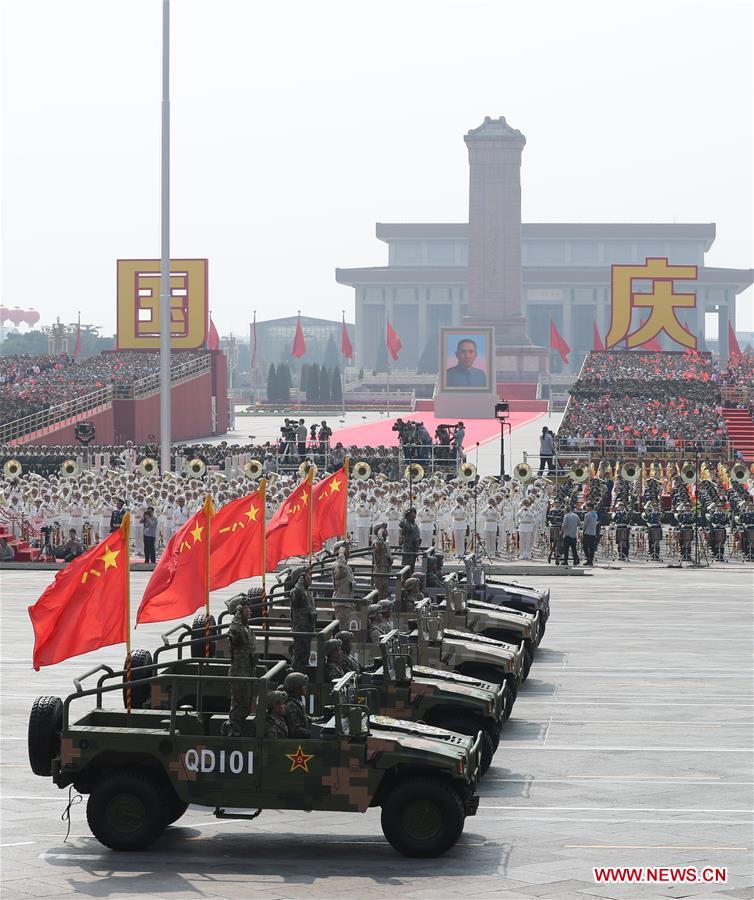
<point>299,759</point>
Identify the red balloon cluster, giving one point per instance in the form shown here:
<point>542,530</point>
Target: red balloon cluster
<point>18,315</point>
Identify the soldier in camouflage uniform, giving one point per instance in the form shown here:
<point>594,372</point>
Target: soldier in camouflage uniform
<point>303,618</point>
<point>342,579</point>
<point>275,725</point>
<point>334,656</point>
<point>242,662</point>
<point>387,615</point>
<point>382,561</point>
<point>348,663</point>
<point>410,539</point>
<point>375,620</point>
<point>296,719</point>
<point>412,592</point>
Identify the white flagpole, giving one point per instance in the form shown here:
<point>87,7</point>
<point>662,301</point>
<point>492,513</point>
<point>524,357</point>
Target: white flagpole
<point>165,411</point>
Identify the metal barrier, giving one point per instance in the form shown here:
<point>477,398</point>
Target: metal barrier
<point>45,418</point>
<point>143,387</point>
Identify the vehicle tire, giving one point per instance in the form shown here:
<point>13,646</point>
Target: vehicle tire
<point>126,809</point>
<point>422,817</point>
<point>528,660</point>
<point>45,725</point>
<point>542,627</point>
<point>256,595</point>
<point>140,693</point>
<point>198,631</point>
<point>510,697</point>
<point>472,727</point>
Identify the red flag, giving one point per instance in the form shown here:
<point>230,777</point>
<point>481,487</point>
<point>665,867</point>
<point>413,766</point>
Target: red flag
<point>393,341</point>
<point>178,586</point>
<point>557,342</point>
<point>213,341</point>
<point>288,531</point>
<point>237,540</point>
<point>330,497</point>
<point>254,343</point>
<point>345,342</point>
<point>77,348</point>
<point>85,608</point>
<point>733,347</point>
<point>299,344</point>
<point>597,342</point>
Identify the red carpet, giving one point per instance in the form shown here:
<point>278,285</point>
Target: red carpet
<point>377,433</point>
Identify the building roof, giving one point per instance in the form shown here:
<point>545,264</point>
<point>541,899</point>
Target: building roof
<point>305,320</point>
<point>605,231</point>
<point>532,275</point>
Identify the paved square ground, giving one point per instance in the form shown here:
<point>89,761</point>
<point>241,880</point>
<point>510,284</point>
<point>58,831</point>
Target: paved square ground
<point>630,745</point>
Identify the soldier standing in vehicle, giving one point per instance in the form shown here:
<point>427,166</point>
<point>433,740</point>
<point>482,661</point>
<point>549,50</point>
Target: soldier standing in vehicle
<point>334,655</point>
<point>275,725</point>
<point>342,579</point>
<point>242,663</point>
<point>382,562</point>
<point>303,618</point>
<point>375,620</point>
<point>387,615</point>
<point>296,719</point>
<point>410,539</point>
<point>348,663</point>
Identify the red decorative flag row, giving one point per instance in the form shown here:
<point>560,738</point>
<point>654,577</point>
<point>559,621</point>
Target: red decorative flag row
<point>558,342</point>
<point>393,341</point>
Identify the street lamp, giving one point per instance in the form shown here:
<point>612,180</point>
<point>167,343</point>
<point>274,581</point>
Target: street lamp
<point>502,411</point>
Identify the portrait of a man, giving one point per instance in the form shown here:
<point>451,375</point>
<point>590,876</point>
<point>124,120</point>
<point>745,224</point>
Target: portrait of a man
<point>466,360</point>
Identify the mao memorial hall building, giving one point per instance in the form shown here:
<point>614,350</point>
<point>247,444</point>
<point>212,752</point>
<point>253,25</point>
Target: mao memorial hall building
<point>558,272</point>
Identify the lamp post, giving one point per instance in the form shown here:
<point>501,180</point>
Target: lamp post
<point>502,410</point>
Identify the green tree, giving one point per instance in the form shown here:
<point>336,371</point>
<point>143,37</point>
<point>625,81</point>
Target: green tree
<point>313,394</point>
<point>331,355</point>
<point>336,389</point>
<point>284,383</point>
<point>324,385</point>
<point>272,384</point>
<point>429,361</point>
<point>15,343</point>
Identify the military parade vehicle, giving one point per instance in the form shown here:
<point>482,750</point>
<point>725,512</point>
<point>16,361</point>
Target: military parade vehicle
<point>391,686</point>
<point>142,768</point>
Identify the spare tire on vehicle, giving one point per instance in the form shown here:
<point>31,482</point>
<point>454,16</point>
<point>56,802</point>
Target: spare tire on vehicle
<point>139,692</point>
<point>45,725</point>
<point>198,634</point>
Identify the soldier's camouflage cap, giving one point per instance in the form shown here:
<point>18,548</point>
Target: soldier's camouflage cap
<point>374,609</point>
<point>235,603</point>
<point>295,680</point>
<point>385,604</point>
<point>275,697</point>
<point>332,645</point>
<point>345,637</point>
<point>411,583</point>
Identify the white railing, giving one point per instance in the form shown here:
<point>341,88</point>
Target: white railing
<point>150,384</point>
<point>45,418</point>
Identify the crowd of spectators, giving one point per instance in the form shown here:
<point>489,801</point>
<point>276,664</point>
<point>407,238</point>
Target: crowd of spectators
<point>645,402</point>
<point>30,384</point>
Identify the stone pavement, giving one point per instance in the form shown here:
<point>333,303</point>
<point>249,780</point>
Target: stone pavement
<point>629,745</point>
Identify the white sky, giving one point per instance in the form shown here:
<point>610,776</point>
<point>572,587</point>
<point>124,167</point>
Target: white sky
<point>298,125</point>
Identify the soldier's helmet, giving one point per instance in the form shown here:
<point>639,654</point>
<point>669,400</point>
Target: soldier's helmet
<point>374,610</point>
<point>295,680</point>
<point>275,697</point>
<point>332,645</point>
<point>235,603</point>
<point>385,605</point>
<point>340,548</point>
<point>345,637</point>
<point>411,584</point>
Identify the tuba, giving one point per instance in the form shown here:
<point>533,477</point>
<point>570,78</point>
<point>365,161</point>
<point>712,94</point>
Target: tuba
<point>197,467</point>
<point>148,466</point>
<point>69,469</point>
<point>578,473</point>
<point>629,471</point>
<point>414,472</point>
<point>361,471</point>
<point>306,467</point>
<point>738,473</point>
<point>12,469</point>
<point>523,472</point>
<point>467,471</point>
<point>688,472</point>
<point>253,469</point>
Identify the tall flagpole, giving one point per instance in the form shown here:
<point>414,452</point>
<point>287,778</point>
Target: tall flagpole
<point>263,496</point>
<point>165,412</point>
<point>347,469</point>
<point>126,533</point>
<point>310,479</point>
<point>209,511</point>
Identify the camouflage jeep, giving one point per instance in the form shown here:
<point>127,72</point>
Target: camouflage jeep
<point>143,768</point>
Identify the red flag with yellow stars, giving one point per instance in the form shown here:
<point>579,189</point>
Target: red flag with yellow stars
<point>237,540</point>
<point>289,529</point>
<point>85,608</point>
<point>329,510</point>
<point>178,586</point>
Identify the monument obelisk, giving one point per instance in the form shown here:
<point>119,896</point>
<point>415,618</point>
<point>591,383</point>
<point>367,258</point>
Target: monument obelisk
<point>495,282</point>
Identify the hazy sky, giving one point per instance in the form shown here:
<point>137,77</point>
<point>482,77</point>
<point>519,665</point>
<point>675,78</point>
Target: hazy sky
<point>298,125</point>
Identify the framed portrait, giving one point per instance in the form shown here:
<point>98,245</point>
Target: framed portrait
<point>467,359</point>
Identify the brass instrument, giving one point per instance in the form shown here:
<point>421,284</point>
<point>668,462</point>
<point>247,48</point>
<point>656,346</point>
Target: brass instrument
<point>629,471</point>
<point>306,467</point>
<point>197,467</point>
<point>467,471</point>
<point>523,472</point>
<point>578,473</point>
<point>253,469</point>
<point>414,472</point>
<point>738,473</point>
<point>12,469</point>
<point>69,469</point>
<point>688,472</point>
<point>148,466</point>
<point>361,471</point>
